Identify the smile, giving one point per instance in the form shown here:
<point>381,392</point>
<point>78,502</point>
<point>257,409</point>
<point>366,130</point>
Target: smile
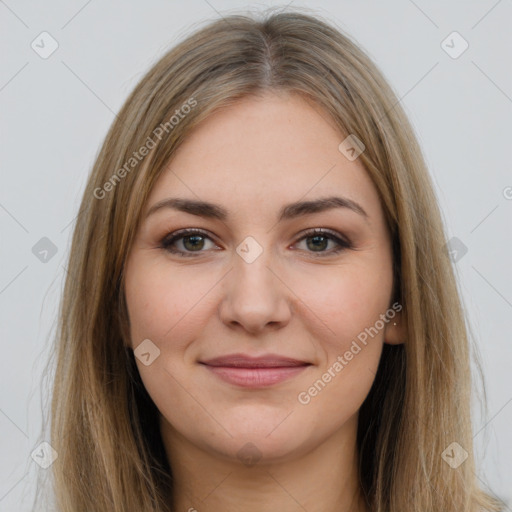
<point>255,372</point>
<point>255,377</point>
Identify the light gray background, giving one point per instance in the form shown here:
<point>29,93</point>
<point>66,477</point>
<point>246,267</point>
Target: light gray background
<point>56,112</point>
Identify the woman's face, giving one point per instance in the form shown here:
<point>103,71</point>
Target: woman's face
<point>255,282</point>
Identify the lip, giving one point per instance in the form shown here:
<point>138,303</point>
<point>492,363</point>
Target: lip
<point>246,361</point>
<point>255,372</point>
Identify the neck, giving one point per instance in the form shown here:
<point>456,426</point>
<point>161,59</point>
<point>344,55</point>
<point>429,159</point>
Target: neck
<point>321,479</point>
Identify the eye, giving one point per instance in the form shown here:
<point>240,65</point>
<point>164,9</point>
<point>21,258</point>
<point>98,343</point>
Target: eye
<point>193,240</point>
<point>320,239</point>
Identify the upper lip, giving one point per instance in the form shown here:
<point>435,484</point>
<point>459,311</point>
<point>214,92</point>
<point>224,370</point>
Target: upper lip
<point>246,361</point>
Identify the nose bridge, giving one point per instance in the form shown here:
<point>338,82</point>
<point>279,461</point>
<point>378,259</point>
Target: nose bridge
<point>254,295</point>
<point>252,263</point>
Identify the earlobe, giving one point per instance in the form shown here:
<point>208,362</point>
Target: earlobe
<point>395,332</point>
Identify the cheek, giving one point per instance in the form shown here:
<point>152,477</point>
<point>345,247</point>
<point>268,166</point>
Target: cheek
<point>350,352</point>
<point>348,306</point>
<point>161,303</point>
<point>347,300</point>
<point>163,306</point>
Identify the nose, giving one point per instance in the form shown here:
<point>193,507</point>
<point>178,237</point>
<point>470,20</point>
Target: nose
<point>255,296</point>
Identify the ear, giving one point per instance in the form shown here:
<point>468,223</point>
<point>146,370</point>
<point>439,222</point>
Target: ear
<point>395,331</point>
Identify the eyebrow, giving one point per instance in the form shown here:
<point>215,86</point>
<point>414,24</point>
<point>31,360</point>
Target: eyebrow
<point>287,212</point>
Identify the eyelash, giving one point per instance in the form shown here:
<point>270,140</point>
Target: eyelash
<point>343,244</point>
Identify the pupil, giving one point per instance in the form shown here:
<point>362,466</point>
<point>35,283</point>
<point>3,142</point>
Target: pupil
<point>193,237</point>
<point>316,238</point>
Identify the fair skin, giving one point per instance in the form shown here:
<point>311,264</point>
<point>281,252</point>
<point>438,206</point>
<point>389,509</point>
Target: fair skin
<point>297,299</point>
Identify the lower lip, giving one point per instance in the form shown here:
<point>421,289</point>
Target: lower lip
<point>256,377</point>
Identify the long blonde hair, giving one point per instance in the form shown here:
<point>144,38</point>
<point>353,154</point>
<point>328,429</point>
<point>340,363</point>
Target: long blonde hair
<point>104,425</point>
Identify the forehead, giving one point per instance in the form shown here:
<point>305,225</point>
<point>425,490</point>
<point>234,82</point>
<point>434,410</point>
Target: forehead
<point>267,150</point>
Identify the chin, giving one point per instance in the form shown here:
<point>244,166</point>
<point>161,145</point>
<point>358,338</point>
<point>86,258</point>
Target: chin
<point>264,439</point>
<point>253,450</point>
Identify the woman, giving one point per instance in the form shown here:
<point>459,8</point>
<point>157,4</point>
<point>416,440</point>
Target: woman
<point>260,313</point>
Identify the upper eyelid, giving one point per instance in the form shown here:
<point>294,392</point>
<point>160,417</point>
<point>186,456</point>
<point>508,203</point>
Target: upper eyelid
<point>188,232</point>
